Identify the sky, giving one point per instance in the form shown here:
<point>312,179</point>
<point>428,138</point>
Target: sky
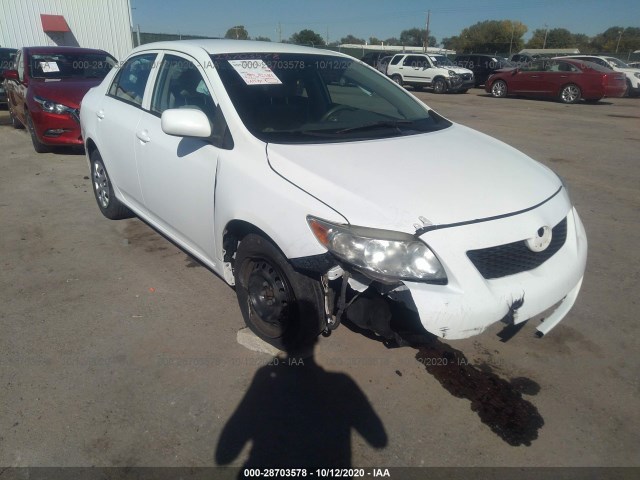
<point>376,18</point>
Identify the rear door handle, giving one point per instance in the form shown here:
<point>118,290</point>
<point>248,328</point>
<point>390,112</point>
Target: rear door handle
<point>143,136</point>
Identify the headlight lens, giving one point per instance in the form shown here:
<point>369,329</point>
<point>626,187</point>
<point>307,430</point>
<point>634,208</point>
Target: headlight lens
<point>53,107</point>
<point>380,254</point>
<point>452,73</point>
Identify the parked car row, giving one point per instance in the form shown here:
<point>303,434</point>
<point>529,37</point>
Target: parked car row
<point>568,79</point>
<point>44,88</point>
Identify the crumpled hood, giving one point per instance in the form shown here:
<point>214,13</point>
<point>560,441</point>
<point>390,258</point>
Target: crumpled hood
<point>448,176</point>
<point>68,91</point>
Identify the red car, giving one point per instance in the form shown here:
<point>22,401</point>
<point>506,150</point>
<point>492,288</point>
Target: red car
<point>566,80</point>
<point>45,91</point>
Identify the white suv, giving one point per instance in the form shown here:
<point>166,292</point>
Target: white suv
<point>320,189</point>
<point>632,74</point>
<point>435,71</point>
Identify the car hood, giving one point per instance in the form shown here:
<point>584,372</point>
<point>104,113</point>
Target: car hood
<point>68,91</point>
<point>448,176</point>
<point>458,70</point>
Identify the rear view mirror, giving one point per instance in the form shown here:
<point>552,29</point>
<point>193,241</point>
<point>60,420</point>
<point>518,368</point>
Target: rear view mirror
<point>185,122</point>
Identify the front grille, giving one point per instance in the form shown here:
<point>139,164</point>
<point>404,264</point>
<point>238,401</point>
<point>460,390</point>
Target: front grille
<point>467,76</point>
<point>512,258</point>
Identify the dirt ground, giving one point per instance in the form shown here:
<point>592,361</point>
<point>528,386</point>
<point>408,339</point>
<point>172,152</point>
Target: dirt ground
<point>118,349</point>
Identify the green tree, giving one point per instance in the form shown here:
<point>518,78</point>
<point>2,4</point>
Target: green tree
<point>307,37</point>
<point>414,37</point>
<point>237,33</point>
<point>262,39</point>
<point>353,40</point>
<point>392,41</point>
<point>490,36</point>
<point>374,41</point>
<point>555,38</point>
<point>622,39</point>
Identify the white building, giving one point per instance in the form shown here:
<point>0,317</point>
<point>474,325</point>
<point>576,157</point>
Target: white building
<point>103,24</point>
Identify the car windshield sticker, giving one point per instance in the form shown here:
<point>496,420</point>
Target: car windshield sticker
<point>255,72</point>
<point>49,67</point>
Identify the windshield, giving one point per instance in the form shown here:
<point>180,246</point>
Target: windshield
<point>71,65</point>
<point>441,61</point>
<point>306,98</point>
<point>617,63</point>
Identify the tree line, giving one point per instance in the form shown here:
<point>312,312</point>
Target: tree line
<point>489,36</point>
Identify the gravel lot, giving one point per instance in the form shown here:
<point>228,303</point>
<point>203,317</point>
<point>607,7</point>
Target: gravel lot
<point>118,349</point>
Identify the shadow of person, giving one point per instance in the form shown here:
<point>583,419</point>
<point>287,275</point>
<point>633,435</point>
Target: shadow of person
<point>298,415</point>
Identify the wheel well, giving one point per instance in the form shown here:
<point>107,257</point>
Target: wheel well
<point>90,146</point>
<point>234,232</point>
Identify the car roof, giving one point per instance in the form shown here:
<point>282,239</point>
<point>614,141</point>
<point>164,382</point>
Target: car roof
<point>55,49</point>
<point>220,46</point>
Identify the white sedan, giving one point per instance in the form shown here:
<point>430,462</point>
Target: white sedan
<point>321,189</point>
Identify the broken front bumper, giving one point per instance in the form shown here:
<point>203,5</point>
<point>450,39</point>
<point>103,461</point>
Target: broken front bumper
<point>469,303</point>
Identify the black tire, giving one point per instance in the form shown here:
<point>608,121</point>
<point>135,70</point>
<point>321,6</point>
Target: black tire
<point>570,93</point>
<point>105,197</point>
<point>15,123</point>
<point>499,89</point>
<point>398,79</point>
<point>281,306</point>
<point>439,85</point>
<point>38,146</point>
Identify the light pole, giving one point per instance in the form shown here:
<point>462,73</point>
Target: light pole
<point>546,30</point>
<point>619,37</point>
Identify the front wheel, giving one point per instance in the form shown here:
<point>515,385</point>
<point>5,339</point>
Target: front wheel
<point>439,85</point>
<point>281,306</point>
<point>397,79</point>
<point>15,123</point>
<point>570,93</point>
<point>38,146</point>
<point>499,89</point>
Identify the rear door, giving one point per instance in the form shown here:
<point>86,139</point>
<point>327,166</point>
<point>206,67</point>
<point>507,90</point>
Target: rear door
<point>118,118</point>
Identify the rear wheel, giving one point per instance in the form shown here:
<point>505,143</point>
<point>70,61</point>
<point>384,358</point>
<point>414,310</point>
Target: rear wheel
<point>439,85</point>
<point>499,89</point>
<point>281,306</point>
<point>570,93</point>
<point>109,205</point>
<point>38,146</point>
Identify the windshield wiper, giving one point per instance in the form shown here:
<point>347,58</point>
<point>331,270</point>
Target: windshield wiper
<point>378,124</point>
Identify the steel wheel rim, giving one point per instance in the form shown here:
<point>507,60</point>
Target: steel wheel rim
<point>438,86</point>
<point>269,298</point>
<point>101,184</point>
<point>570,93</point>
<point>498,89</point>
<point>398,80</point>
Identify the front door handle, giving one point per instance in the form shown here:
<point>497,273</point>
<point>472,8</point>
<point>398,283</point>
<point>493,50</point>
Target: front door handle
<point>143,136</point>
<point>100,114</point>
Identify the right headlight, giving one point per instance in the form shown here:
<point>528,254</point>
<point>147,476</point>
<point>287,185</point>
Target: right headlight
<point>380,254</point>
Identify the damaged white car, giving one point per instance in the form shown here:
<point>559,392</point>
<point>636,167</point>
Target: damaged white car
<point>318,187</point>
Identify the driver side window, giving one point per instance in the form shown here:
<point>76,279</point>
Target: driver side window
<point>181,85</point>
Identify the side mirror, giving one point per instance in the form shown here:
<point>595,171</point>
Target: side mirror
<point>185,122</point>
<point>11,75</point>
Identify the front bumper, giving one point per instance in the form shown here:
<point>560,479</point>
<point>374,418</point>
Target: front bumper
<point>469,303</point>
<point>57,129</point>
<point>461,82</point>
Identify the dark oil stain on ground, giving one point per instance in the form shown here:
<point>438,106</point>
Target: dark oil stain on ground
<point>498,402</point>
